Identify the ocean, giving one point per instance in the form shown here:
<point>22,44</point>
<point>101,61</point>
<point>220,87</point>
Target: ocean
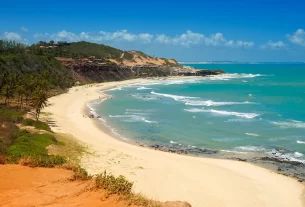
<point>253,109</point>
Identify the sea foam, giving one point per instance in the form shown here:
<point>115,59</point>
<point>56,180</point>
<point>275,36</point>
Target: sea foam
<point>133,118</point>
<point>226,113</point>
<point>143,88</point>
<point>252,134</point>
<point>175,97</point>
<point>213,103</point>
<point>289,124</point>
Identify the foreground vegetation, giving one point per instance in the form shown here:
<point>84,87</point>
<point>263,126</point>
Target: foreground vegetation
<point>34,149</point>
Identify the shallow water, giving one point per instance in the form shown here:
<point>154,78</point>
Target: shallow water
<point>255,108</point>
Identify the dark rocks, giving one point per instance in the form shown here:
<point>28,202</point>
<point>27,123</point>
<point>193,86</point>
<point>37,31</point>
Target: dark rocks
<point>280,160</point>
<point>182,149</point>
<point>91,116</point>
<point>238,159</point>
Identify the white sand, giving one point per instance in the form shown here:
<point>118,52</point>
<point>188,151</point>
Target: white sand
<point>203,182</point>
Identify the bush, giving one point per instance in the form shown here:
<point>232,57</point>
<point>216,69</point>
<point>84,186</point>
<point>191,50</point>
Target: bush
<point>114,185</point>
<point>42,161</point>
<point>37,124</point>
<point>2,160</point>
<point>10,115</point>
<point>30,145</point>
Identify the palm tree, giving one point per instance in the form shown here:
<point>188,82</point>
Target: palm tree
<point>39,101</point>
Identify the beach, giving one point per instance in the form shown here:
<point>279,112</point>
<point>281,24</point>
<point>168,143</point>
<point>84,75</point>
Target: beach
<point>167,176</point>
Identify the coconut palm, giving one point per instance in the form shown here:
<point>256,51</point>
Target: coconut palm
<point>39,101</point>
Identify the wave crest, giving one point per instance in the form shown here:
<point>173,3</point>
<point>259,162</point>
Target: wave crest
<point>289,124</point>
<point>227,113</point>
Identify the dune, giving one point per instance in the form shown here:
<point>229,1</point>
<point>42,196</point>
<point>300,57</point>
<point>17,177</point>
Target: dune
<point>166,176</point>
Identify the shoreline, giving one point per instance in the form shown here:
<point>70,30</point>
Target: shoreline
<point>167,176</point>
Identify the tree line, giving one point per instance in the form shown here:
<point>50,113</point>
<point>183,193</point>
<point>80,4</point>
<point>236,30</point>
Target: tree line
<point>26,79</point>
<point>24,90</point>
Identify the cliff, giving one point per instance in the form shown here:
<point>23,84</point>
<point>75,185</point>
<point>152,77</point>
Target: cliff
<point>90,71</point>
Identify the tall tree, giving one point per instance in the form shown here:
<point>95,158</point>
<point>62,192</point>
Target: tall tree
<point>39,101</point>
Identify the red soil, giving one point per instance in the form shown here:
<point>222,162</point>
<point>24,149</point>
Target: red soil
<point>24,187</point>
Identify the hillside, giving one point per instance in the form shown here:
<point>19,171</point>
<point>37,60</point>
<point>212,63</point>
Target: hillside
<point>64,63</point>
<point>77,50</point>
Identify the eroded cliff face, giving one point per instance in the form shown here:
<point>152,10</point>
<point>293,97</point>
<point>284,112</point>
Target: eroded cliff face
<point>88,73</point>
<point>96,73</point>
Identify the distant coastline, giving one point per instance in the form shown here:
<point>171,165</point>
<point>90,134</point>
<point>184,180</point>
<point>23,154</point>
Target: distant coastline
<point>235,62</point>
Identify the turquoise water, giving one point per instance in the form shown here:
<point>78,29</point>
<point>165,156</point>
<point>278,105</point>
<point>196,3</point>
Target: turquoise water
<point>255,108</point>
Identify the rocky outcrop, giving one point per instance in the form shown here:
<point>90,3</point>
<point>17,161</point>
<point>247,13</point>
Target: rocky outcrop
<point>91,72</point>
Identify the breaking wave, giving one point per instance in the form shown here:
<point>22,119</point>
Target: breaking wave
<point>251,148</point>
<point>143,88</point>
<point>133,118</point>
<point>227,113</point>
<point>213,103</point>
<point>175,97</point>
<point>289,124</point>
<point>252,134</point>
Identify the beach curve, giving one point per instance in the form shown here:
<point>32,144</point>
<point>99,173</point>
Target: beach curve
<point>166,176</point>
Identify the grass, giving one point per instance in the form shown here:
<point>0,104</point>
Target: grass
<point>10,115</point>
<point>31,150</point>
<point>37,124</point>
<point>48,161</point>
<point>67,147</point>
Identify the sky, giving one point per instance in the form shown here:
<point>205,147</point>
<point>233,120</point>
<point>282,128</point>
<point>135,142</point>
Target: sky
<point>192,30</point>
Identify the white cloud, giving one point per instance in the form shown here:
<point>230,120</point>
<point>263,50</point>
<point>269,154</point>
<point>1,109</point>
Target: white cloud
<point>273,45</point>
<point>24,29</point>
<point>186,39</point>
<point>11,36</point>
<point>122,35</point>
<point>298,37</point>
<point>191,38</point>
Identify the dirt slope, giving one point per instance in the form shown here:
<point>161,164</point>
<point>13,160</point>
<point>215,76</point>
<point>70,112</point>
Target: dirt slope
<point>22,186</point>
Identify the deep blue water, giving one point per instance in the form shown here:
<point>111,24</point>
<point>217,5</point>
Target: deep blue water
<point>255,108</point>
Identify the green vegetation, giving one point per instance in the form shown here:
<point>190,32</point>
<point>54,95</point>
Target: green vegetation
<point>114,185</point>
<point>27,78</point>
<point>27,144</point>
<point>128,56</point>
<point>78,50</point>
<point>37,124</point>
<point>10,115</point>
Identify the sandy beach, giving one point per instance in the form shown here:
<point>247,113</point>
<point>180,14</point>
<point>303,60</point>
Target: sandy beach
<point>166,176</point>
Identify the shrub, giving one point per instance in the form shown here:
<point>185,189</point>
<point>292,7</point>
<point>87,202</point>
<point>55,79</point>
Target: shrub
<point>2,160</point>
<point>30,149</point>
<point>10,115</point>
<point>79,172</point>
<point>37,124</point>
<point>30,145</point>
<point>42,161</point>
<point>114,185</point>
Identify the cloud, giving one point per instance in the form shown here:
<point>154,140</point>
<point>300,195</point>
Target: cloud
<point>122,35</point>
<point>298,37</point>
<point>186,39</point>
<point>24,29</point>
<point>273,45</point>
<point>11,36</point>
<point>190,38</point>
